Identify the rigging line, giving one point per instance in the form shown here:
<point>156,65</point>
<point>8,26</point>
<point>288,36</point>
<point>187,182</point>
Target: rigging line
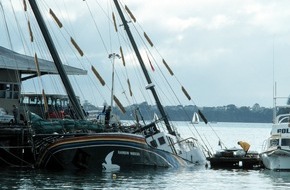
<point>68,42</point>
<point>109,29</point>
<point>171,89</point>
<point>25,48</point>
<point>80,62</point>
<point>164,79</point>
<point>130,47</point>
<point>23,42</point>
<point>148,49</point>
<point>37,45</point>
<point>122,87</point>
<point>145,45</point>
<point>153,56</point>
<point>76,57</point>
<point>126,71</point>
<point>127,43</point>
<point>47,7</point>
<point>67,15</point>
<point>10,41</point>
<point>6,26</point>
<point>98,27</point>
<point>44,50</point>
<point>158,65</point>
<point>25,45</point>
<point>137,70</point>
<point>142,90</point>
<point>64,37</point>
<point>208,144</point>
<point>117,74</point>
<point>161,74</point>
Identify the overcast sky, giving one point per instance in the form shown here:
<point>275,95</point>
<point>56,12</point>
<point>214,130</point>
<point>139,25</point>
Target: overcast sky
<point>223,51</point>
<point>226,50</point>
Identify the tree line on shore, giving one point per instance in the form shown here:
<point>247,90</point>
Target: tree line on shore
<point>228,113</point>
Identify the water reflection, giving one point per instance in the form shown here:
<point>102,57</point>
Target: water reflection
<point>279,179</point>
<point>190,178</point>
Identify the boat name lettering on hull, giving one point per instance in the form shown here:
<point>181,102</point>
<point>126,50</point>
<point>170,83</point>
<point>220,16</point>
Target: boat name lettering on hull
<point>283,131</point>
<point>128,153</point>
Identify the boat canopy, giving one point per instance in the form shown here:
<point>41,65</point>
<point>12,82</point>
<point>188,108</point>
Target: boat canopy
<point>25,64</point>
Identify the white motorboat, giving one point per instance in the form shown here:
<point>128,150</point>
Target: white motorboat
<point>276,149</point>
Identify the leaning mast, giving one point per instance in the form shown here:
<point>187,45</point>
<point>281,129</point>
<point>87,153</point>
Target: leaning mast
<point>57,60</point>
<point>150,84</point>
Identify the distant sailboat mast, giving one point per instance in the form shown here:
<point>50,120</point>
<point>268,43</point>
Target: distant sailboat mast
<point>57,60</point>
<point>150,84</point>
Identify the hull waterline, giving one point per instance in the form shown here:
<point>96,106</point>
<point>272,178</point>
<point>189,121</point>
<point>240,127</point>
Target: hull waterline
<point>104,152</point>
<point>278,159</point>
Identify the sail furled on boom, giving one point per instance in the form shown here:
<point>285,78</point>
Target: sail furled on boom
<point>167,67</point>
<point>36,64</point>
<point>44,101</point>
<point>148,39</point>
<point>56,58</point>
<point>129,86</point>
<point>122,56</point>
<point>30,32</point>
<point>24,6</point>
<point>115,24</point>
<point>117,101</point>
<point>144,70</point>
<point>76,46</point>
<point>55,18</point>
<point>98,76</point>
<point>130,13</point>
<point>185,93</point>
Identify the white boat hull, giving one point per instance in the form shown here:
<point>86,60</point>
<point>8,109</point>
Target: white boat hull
<point>278,159</point>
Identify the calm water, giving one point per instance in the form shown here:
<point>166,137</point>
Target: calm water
<point>189,178</point>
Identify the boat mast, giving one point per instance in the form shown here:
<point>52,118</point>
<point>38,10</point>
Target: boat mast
<point>113,56</point>
<point>150,84</point>
<point>57,60</point>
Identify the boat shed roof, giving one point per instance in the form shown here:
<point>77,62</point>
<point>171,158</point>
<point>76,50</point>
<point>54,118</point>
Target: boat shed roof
<point>25,64</point>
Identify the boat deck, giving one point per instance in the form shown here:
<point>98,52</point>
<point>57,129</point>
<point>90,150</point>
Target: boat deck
<point>251,161</point>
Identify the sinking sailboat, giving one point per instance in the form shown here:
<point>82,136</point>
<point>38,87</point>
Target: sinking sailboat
<point>81,144</point>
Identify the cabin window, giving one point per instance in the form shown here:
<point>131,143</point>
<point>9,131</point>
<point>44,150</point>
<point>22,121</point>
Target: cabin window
<point>274,142</point>
<point>153,143</point>
<point>9,91</point>
<point>161,140</point>
<point>285,142</point>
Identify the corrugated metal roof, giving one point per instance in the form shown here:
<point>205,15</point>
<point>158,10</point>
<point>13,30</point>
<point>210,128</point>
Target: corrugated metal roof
<point>25,64</point>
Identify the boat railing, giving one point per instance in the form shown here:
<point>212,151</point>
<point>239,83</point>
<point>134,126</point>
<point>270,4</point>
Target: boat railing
<point>265,145</point>
<point>189,142</point>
